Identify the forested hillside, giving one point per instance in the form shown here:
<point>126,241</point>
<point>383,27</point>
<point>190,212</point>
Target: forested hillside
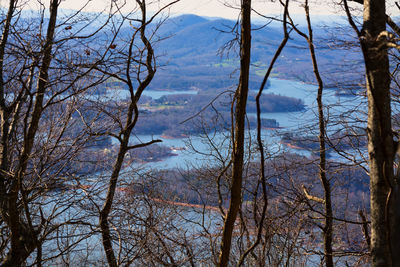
<point>199,52</point>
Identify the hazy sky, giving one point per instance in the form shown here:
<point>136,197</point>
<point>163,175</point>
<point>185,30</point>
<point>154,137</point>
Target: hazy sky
<point>218,8</point>
<point>214,8</point>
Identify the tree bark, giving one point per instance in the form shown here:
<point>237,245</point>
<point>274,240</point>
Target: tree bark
<point>238,139</point>
<point>262,179</point>
<point>384,188</point>
<point>4,114</point>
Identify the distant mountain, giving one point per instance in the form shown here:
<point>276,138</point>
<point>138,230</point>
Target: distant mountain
<point>201,39</point>
<point>201,52</point>
<point>178,23</point>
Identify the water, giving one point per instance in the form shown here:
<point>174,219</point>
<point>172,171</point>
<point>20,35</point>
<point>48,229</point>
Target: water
<point>158,94</point>
<point>123,94</point>
<point>184,154</point>
<point>190,220</point>
<point>334,105</point>
<point>289,121</point>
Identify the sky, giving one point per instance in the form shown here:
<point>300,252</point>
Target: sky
<point>210,8</point>
<point>218,8</point>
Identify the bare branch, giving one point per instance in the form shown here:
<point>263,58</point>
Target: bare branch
<point>310,197</point>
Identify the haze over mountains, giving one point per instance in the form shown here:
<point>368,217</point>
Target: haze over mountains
<point>203,53</point>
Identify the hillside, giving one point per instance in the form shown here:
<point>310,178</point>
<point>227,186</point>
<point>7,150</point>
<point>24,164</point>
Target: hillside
<point>193,53</point>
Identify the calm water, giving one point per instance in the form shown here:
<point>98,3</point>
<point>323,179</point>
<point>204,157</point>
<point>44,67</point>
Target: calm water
<point>122,94</point>
<point>290,121</point>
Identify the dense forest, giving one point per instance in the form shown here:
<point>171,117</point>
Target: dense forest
<point>91,104</point>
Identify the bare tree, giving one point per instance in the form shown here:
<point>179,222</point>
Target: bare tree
<point>327,201</point>
<point>40,77</point>
<point>23,235</point>
<point>238,134</point>
<point>374,41</point>
<point>138,71</point>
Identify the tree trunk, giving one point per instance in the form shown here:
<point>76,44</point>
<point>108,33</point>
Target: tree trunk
<point>4,115</point>
<point>131,119</point>
<point>23,238</point>
<point>238,139</point>
<point>328,227</point>
<point>384,238</point>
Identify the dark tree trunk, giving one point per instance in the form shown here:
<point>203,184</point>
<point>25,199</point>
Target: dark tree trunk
<point>238,139</point>
<point>384,188</point>
<point>23,238</point>
<point>131,119</point>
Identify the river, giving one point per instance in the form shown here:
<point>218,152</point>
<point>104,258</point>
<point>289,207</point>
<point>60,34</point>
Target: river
<point>289,121</point>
